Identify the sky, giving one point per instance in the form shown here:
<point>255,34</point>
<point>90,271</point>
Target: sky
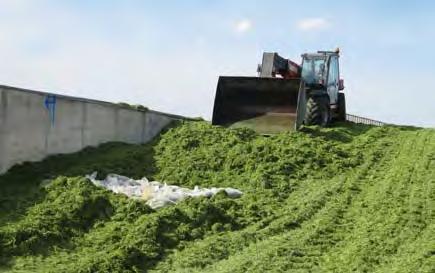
<point>168,55</point>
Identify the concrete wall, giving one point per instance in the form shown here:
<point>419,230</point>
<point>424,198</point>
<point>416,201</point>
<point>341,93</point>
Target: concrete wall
<point>35,124</point>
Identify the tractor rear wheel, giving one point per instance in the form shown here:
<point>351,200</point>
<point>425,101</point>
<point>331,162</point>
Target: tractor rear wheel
<point>318,111</point>
<point>341,107</point>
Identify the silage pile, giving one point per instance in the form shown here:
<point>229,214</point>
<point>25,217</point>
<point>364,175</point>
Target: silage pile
<point>352,198</point>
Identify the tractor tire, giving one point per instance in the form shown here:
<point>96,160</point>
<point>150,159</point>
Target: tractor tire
<point>341,114</point>
<point>318,111</point>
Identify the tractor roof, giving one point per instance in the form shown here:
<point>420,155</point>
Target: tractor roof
<point>321,54</point>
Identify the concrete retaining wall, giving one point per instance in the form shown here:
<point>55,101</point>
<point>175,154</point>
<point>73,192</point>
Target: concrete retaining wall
<point>35,124</point>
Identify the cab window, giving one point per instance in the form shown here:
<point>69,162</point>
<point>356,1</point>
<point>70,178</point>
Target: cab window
<point>333,71</point>
<point>313,70</point>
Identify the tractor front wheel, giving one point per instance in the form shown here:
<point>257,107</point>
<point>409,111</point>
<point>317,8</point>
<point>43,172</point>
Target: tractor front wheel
<point>318,111</point>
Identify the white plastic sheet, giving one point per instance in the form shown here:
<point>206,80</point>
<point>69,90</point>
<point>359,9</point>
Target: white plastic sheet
<point>156,194</point>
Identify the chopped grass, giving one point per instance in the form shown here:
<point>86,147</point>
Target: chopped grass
<point>352,198</point>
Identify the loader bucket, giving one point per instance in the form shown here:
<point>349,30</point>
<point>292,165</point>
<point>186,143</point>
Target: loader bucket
<point>267,105</point>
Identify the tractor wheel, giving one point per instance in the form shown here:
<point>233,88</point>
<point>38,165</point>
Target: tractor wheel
<point>341,107</point>
<point>318,111</point>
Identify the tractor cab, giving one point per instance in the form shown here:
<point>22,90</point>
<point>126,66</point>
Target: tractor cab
<point>320,71</point>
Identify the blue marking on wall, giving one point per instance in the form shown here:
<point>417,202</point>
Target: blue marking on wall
<point>50,104</point>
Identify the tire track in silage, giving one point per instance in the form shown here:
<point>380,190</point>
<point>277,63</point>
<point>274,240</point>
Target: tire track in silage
<point>415,239</point>
<point>379,213</point>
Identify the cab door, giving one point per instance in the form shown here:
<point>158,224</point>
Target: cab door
<point>333,79</point>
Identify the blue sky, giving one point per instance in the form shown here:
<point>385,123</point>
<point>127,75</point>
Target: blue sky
<point>167,55</point>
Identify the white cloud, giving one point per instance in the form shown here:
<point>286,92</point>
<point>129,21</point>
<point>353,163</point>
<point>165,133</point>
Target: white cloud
<point>243,26</point>
<point>308,24</point>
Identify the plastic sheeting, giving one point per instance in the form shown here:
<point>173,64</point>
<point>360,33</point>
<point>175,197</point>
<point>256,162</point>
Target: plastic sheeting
<point>156,194</point>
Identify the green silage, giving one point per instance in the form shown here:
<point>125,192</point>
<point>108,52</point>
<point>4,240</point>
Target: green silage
<point>352,198</point>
